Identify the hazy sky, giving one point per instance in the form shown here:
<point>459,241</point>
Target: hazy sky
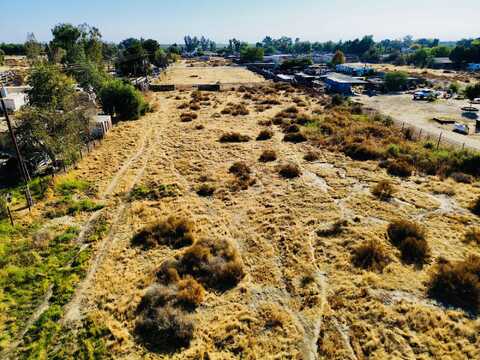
<point>250,20</point>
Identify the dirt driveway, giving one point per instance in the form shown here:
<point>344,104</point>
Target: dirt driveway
<point>420,114</point>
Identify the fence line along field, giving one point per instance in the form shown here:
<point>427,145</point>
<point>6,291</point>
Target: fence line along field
<point>255,223</point>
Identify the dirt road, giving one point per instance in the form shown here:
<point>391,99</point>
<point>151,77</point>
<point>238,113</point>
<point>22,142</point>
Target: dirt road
<point>419,114</point>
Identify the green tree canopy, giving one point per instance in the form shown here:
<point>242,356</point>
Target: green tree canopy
<point>251,54</point>
<point>473,91</point>
<point>122,99</point>
<point>396,80</point>
<point>50,88</point>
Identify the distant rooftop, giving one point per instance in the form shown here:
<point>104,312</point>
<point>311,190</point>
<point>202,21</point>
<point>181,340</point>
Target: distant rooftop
<point>344,79</point>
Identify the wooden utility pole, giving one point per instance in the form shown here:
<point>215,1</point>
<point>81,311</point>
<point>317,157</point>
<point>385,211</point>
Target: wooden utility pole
<point>21,164</point>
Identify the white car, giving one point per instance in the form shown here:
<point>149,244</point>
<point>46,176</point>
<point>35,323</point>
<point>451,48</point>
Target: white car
<point>475,101</point>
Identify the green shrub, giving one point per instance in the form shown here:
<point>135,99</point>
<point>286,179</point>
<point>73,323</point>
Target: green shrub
<point>123,100</point>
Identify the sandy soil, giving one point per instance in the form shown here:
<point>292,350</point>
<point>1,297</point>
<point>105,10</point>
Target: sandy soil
<point>305,284</point>
<point>420,114</point>
<point>184,74</point>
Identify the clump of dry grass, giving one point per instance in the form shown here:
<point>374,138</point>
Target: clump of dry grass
<point>164,329</point>
<point>235,109</point>
<point>362,151</point>
<point>371,255</point>
<point>473,235</point>
<point>383,190</point>
<point>199,127</point>
<point>182,106</point>
<point>265,123</point>
<point>188,117</point>
<point>214,263</point>
<point>290,129</point>
<point>206,190</point>
<point>242,174</point>
<point>409,238</point>
<point>457,284</point>
<point>475,207</point>
<point>174,232</point>
<point>337,228</point>
<point>295,138</point>
<point>194,107</point>
<point>268,156</point>
<point>399,167</point>
<point>299,101</point>
<point>462,178</point>
<point>270,101</point>
<point>311,156</point>
<point>265,134</point>
<point>289,171</point>
<point>234,137</point>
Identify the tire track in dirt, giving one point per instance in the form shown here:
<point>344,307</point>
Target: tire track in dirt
<point>73,308</point>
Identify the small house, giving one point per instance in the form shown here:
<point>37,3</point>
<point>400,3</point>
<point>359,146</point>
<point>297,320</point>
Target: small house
<point>341,83</point>
<point>442,63</point>
<point>14,97</point>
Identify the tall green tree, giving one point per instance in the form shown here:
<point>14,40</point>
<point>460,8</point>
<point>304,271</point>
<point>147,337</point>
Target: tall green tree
<point>50,88</point>
<point>55,124</point>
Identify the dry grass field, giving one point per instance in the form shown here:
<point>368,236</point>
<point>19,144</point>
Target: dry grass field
<point>184,73</point>
<point>290,222</point>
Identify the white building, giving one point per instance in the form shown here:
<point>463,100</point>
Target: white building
<point>14,97</point>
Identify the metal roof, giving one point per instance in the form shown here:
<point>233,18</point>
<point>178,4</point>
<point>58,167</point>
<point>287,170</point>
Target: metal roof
<point>344,79</point>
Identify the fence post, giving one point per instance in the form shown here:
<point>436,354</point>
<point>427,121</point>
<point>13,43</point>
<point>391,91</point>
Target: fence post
<point>463,146</point>
<point>420,135</point>
<point>439,139</point>
<point>403,126</point>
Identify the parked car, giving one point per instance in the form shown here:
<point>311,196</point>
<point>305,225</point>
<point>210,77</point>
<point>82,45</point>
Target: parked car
<point>425,94</point>
<point>475,101</point>
<point>461,129</point>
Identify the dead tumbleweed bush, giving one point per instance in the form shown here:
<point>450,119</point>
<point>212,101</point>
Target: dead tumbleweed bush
<point>216,264</point>
<point>234,137</point>
<point>409,238</point>
<point>371,255</point>
<point>174,232</point>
